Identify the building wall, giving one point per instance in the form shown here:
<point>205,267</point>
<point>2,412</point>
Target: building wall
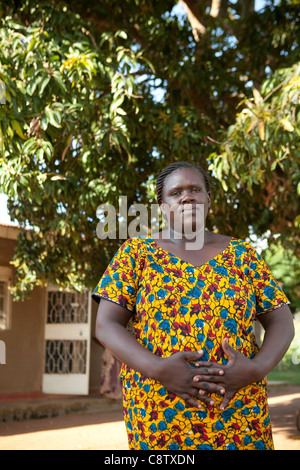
<point>24,340</point>
<point>24,343</point>
<point>7,250</point>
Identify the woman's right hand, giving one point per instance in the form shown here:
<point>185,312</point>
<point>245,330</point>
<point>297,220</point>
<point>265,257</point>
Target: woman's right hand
<point>176,375</point>
<point>174,372</point>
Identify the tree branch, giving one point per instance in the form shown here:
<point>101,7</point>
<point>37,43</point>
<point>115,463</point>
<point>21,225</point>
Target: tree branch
<point>247,6</point>
<point>194,15</point>
<point>215,8</point>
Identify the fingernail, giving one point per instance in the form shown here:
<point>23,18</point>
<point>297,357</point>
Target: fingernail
<point>200,351</point>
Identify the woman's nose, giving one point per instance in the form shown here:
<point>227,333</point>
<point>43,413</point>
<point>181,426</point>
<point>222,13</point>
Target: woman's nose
<point>187,197</point>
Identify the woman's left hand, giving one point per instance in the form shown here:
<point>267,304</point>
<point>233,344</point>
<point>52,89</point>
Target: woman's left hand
<point>239,372</point>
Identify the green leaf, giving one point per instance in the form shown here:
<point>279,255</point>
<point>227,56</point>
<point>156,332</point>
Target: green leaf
<point>287,125</point>
<point>58,177</point>
<point>115,104</point>
<point>32,44</point>
<point>57,77</point>
<point>16,126</point>
<point>54,117</point>
<point>29,145</point>
<point>44,84</point>
<point>44,122</point>
<point>121,111</point>
<point>121,34</point>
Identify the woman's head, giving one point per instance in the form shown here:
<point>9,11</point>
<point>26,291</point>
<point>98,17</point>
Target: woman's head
<point>183,194</point>
<point>160,182</point>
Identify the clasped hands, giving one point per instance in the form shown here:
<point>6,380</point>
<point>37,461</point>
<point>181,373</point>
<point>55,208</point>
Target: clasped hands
<point>196,385</point>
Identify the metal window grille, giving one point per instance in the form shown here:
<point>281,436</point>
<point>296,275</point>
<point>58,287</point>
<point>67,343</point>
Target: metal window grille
<point>67,307</point>
<point>65,357</point>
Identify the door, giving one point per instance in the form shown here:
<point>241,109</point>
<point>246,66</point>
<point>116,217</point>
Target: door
<point>67,342</point>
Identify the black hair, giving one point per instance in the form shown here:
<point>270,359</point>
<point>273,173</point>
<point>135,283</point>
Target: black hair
<point>176,166</point>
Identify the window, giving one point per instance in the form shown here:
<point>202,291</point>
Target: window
<point>5,278</point>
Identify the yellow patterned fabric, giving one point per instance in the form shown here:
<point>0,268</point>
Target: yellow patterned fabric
<point>177,306</point>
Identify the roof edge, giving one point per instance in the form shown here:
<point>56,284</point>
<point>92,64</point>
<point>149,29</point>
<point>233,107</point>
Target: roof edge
<point>9,231</point>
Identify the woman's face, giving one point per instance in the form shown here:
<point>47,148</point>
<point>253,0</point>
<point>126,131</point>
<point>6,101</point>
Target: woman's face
<point>185,201</point>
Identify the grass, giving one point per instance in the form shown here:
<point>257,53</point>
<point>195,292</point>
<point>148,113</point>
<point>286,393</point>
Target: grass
<point>290,376</point>
<point>289,368</point>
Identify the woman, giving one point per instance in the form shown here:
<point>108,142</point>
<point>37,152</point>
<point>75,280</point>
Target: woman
<point>192,374</point>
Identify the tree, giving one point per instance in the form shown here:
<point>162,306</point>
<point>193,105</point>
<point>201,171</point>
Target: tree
<point>285,266</point>
<point>83,124</point>
<point>261,150</point>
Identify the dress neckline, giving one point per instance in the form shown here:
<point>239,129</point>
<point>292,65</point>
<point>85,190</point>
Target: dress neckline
<point>170,254</point>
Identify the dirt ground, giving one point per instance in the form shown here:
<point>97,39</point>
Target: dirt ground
<point>106,431</point>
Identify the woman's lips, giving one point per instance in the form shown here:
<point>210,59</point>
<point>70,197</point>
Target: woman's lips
<point>189,208</point>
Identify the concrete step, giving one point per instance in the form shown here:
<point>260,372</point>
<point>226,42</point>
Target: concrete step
<point>17,409</point>
<point>51,407</point>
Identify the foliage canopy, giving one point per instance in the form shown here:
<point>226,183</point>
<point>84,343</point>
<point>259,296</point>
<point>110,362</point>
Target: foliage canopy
<point>99,98</point>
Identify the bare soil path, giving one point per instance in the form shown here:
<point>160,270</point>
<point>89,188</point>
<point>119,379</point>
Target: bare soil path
<point>105,430</point>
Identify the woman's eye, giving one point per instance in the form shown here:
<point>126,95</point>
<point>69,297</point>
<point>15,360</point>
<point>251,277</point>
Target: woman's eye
<point>193,190</point>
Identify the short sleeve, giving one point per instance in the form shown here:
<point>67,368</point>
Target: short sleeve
<point>119,282</point>
<point>268,293</point>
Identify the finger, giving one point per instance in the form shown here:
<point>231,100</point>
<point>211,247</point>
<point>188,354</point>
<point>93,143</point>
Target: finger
<point>190,401</point>
<point>205,387</point>
<point>206,364</point>
<point>206,398</point>
<point>196,402</point>
<point>228,350</point>
<point>209,378</point>
<point>191,356</point>
<point>226,400</point>
<point>212,370</point>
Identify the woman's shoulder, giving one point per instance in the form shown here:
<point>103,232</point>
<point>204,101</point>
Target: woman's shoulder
<point>245,252</point>
<point>243,244</point>
<point>239,246</point>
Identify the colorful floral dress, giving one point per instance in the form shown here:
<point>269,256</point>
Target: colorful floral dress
<point>177,306</point>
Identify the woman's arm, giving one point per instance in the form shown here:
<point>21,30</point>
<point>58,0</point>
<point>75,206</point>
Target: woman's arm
<point>173,372</point>
<point>279,333</point>
<point>241,371</point>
